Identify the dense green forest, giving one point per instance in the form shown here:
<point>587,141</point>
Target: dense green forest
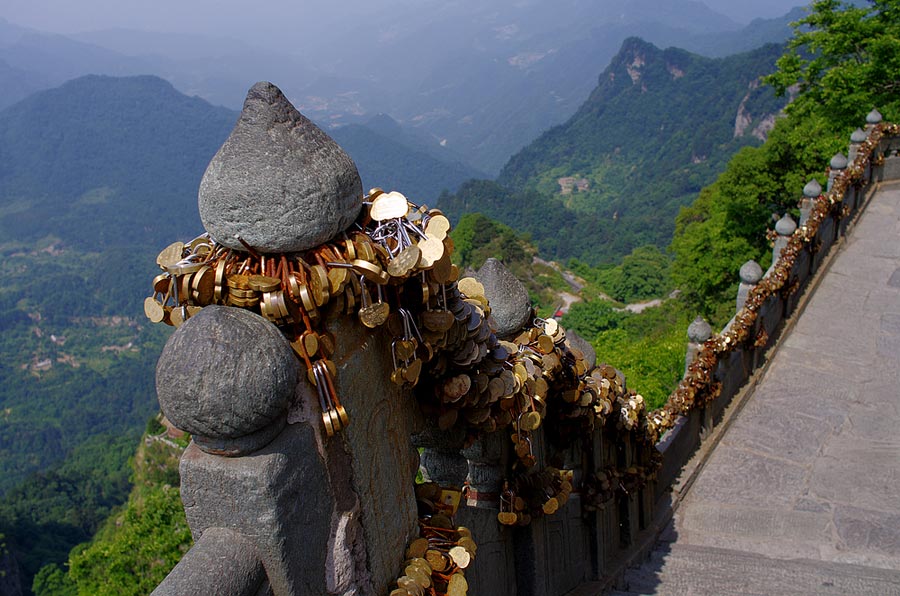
<point>845,60</point>
<point>660,125</point>
<point>137,544</point>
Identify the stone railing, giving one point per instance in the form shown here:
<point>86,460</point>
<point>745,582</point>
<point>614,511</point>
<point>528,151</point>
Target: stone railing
<point>277,506</point>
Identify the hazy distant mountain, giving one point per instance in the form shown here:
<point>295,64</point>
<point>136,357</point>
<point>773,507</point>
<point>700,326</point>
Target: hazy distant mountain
<point>387,157</point>
<point>17,84</point>
<point>659,126</point>
<point>102,160</point>
<point>127,154</point>
<point>757,33</point>
<point>481,79</point>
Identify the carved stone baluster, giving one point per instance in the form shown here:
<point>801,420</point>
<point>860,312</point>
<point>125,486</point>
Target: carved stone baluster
<point>750,275</point>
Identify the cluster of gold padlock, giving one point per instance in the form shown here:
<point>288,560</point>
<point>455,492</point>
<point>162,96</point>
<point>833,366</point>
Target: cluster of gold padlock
<point>436,559</point>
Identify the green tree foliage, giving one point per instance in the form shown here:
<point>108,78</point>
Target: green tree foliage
<point>476,238</point>
<point>52,580</point>
<point>54,510</point>
<point>647,347</point>
<point>589,319</point>
<point>642,275</point>
<point>136,546</point>
<point>658,127</point>
<point>844,57</point>
<point>149,539</point>
<point>841,61</point>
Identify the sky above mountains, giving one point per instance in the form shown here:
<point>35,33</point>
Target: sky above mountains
<point>480,79</point>
<point>277,24</point>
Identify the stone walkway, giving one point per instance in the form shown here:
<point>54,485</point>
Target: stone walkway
<point>802,494</point>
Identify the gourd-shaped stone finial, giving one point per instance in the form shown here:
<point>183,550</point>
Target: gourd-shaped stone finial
<point>838,162</point>
<point>751,272</point>
<point>510,303</point>
<point>812,189</point>
<point>786,225</point>
<point>278,181</point>
<point>873,117</point>
<point>858,136</point>
<point>699,330</point>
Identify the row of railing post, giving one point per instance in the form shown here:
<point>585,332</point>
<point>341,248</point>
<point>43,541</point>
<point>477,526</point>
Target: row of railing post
<point>553,555</point>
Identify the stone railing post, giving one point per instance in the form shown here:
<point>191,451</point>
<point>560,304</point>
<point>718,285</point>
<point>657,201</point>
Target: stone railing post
<point>494,570</point>
<point>784,228</point>
<point>872,118</point>
<point>319,494</point>
<point>857,138</point>
<point>440,460</point>
<point>698,332</point>
<point>750,275</point>
<point>220,562</point>
<point>323,514</point>
<point>837,165</point>
<point>810,192</point>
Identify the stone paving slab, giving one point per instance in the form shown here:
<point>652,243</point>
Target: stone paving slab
<point>802,494</point>
<point>686,570</point>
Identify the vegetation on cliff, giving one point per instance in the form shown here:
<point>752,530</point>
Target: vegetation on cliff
<point>659,126</point>
<point>138,544</point>
<point>844,60</point>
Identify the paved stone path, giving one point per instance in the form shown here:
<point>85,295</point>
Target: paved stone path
<point>802,494</point>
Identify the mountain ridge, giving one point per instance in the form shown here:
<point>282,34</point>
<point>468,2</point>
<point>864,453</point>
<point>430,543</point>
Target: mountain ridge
<point>659,125</point>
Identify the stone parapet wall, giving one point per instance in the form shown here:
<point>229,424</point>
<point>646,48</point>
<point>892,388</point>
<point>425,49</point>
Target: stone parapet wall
<point>296,511</point>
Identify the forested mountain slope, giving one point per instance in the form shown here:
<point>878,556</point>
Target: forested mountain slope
<point>659,126</point>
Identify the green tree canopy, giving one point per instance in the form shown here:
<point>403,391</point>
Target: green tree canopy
<point>844,57</point>
<point>843,60</point>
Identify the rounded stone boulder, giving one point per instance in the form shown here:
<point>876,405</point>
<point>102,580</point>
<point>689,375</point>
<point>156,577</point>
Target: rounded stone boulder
<point>510,303</point>
<point>858,136</point>
<point>278,181</point>
<point>227,376</point>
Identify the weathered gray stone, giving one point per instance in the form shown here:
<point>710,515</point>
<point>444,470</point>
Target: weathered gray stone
<point>510,304</point>
<point>858,136</point>
<point>227,374</point>
<point>493,571</point>
<point>699,330</point>
<point>786,225</point>
<point>838,162</point>
<point>869,531</point>
<point>576,341</point>
<point>278,500</point>
<point>785,228</point>
<point>278,181</point>
<point>443,466</point>
<point>751,272</point>
<point>486,459</point>
<point>430,435</point>
<point>220,562</point>
<point>327,515</point>
<point>894,280</point>
<point>812,189</point>
<point>873,117</point>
